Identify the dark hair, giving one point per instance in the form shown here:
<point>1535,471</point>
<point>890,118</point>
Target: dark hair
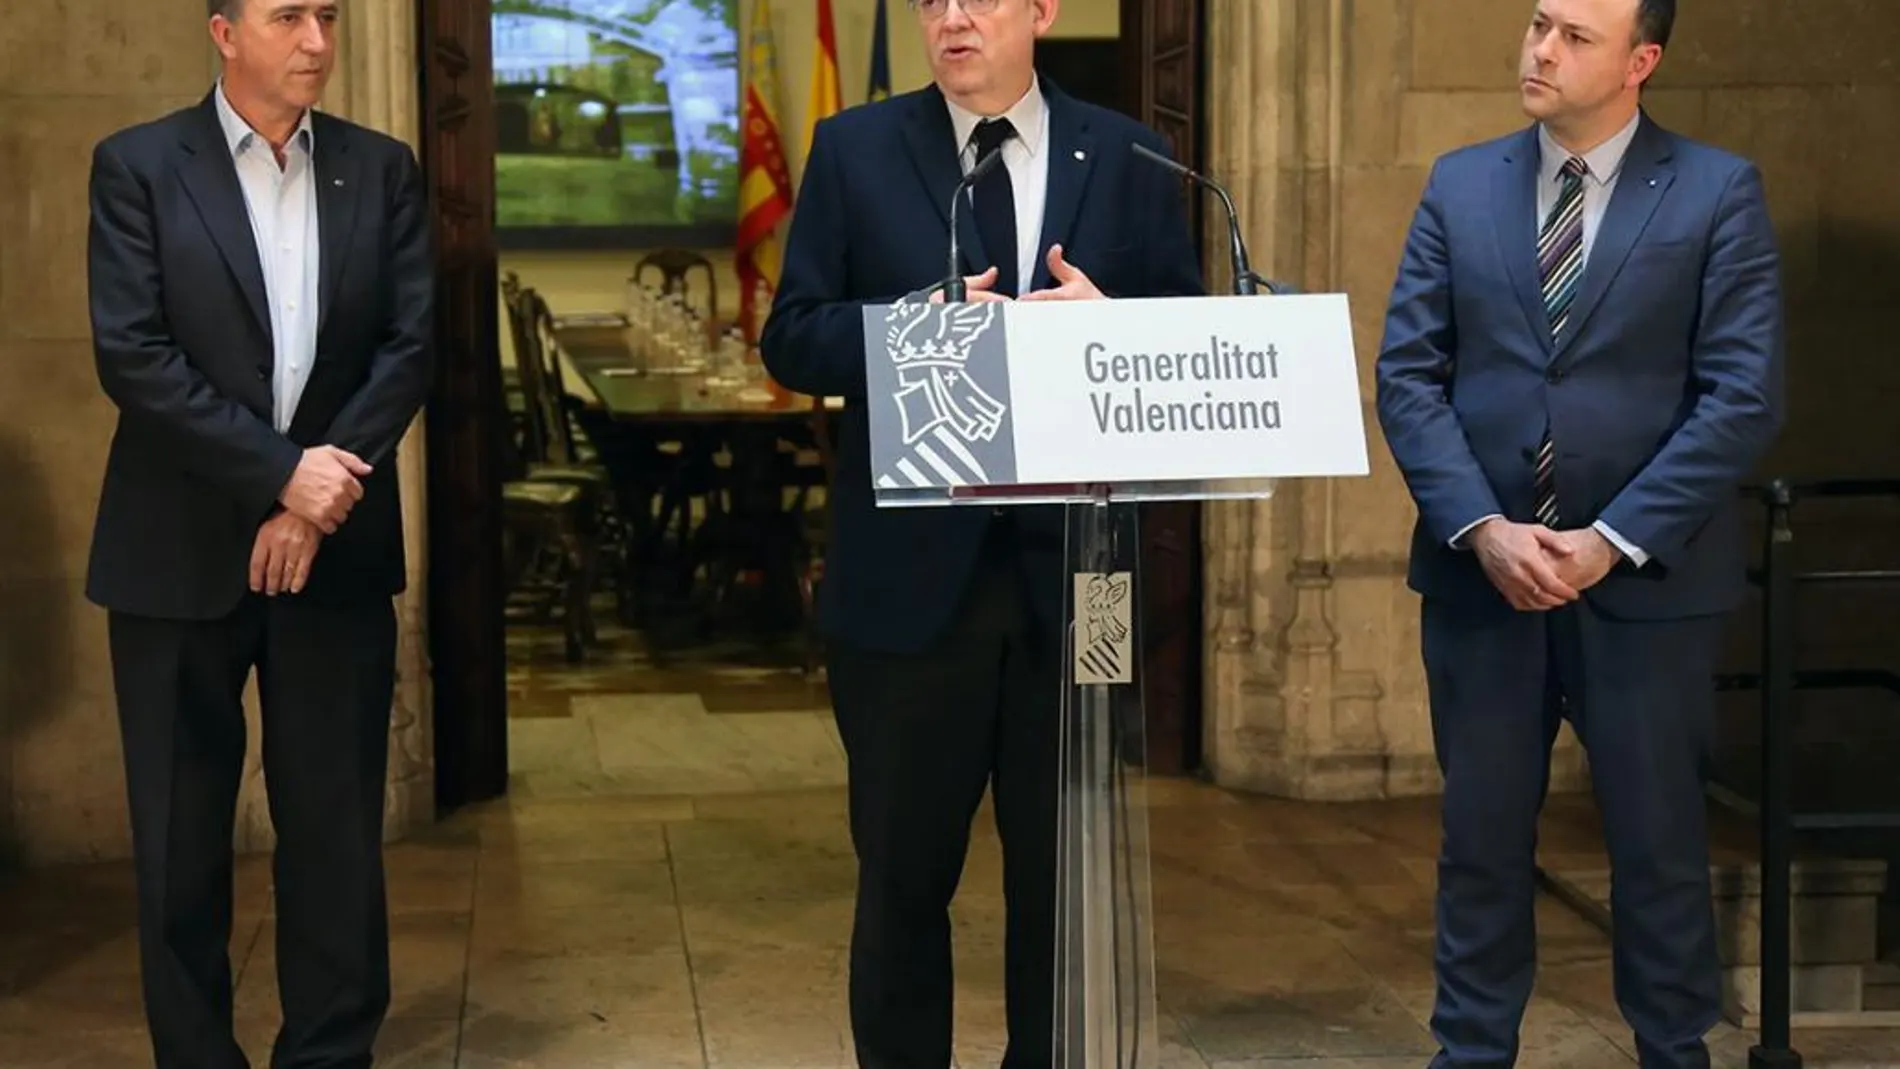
<point>228,8</point>
<point>1654,20</point>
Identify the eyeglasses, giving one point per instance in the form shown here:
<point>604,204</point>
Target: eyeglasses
<point>936,9</point>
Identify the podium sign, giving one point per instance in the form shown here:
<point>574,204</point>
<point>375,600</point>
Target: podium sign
<point>1096,404</point>
<point>1155,398</point>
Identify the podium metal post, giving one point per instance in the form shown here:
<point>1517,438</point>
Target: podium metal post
<point>1106,1015</point>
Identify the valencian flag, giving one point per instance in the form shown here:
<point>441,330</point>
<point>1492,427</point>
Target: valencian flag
<point>880,58</point>
<point>765,182</point>
<point>826,98</point>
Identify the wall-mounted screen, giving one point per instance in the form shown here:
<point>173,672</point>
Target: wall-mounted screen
<point>617,123</point>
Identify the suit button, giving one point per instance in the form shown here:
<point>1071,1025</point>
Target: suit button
<point>1553,377</point>
<point>262,374</point>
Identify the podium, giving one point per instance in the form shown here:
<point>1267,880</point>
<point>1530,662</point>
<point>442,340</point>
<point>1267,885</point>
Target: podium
<point>1098,406</point>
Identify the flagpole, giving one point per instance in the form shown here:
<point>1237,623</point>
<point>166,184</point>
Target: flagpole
<point>826,100</point>
<point>880,79</point>
<point>765,181</point>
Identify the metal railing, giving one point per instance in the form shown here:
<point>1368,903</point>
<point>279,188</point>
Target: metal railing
<point>1779,679</point>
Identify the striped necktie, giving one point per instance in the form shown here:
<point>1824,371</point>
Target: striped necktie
<point>1560,265</point>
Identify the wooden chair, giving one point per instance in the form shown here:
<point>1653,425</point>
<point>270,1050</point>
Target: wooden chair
<point>558,450</point>
<point>511,377</point>
<point>817,537</point>
<point>542,518</point>
<point>551,510</point>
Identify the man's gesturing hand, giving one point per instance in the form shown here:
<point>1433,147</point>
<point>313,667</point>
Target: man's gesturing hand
<point>1522,561</point>
<point>281,557</point>
<point>975,288</point>
<point>325,487</point>
<point>1071,283</point>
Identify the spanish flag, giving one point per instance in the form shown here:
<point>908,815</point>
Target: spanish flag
<point>765,182</point>
<point>826,98</point>
<point>880,58</point>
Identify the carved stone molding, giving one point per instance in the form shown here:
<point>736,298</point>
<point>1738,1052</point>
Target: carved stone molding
<point>1287,718</point>
<point>375,85</point>
<point>1274,685</point>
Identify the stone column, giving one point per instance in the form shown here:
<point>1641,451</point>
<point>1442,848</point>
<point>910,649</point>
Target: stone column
<point>375,85</point>
<point>1314,684</point>
<point>1288,717</point>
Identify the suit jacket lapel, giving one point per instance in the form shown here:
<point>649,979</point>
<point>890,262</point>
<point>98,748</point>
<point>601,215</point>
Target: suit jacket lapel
<point>1515,194</point>
<point>931,141</point>
<point>1071,158</point>
<point>1640,186</point>
<point>337,190</point>
<point>210,178</point>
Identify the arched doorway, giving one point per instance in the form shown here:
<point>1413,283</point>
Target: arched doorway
<point>1162,46</point>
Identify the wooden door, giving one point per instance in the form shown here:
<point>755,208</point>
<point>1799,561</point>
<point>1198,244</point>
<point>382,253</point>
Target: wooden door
<point>466,642</point>
<point>1162,68</point>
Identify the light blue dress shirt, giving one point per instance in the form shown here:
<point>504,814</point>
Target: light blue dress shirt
<point>282,202</point>
<point>1604,163</point>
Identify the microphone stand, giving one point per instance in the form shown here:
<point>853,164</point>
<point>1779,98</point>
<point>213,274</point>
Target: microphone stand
<point>1246,282</point>
<point>954,288</point>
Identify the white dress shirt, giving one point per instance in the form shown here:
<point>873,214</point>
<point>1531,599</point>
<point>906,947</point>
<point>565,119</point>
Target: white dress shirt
<point>1604,164</point>
<point>1027,157</point>
<point>282,203</point>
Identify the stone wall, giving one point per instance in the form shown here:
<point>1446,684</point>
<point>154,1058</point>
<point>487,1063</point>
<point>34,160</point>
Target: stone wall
<point>1326,116</point>
<point>71,72</point>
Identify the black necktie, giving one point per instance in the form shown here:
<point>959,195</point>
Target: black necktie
<point>994,199</point>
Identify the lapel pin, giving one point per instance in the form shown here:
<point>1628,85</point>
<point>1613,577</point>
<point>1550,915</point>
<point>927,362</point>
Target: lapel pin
<point>1080,155</point>
<point>339,181</point>
<point>1652,183</point>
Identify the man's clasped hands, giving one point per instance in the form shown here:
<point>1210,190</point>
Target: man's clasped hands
<point>1537,568</point>
<point>314,503</point>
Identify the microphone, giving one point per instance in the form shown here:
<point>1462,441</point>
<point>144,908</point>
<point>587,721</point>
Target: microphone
<point>1245,281</point>
<point>954,288</point>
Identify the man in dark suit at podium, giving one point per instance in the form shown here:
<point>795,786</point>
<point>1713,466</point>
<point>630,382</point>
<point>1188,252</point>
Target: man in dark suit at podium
<point>944,623</point>
<point>1582,361</point>
<point>261,288</point>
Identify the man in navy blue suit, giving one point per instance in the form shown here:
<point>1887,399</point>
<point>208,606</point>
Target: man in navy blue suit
<point>1582,361</point>
<point>944,624</point>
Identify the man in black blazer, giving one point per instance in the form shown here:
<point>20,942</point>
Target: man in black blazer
<point>944,624</point>
<point>261,298</point>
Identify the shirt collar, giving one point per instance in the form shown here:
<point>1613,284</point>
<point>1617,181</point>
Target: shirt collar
<point>1026,115</point>
<point>1604,161</point>
<point>238,133</point>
